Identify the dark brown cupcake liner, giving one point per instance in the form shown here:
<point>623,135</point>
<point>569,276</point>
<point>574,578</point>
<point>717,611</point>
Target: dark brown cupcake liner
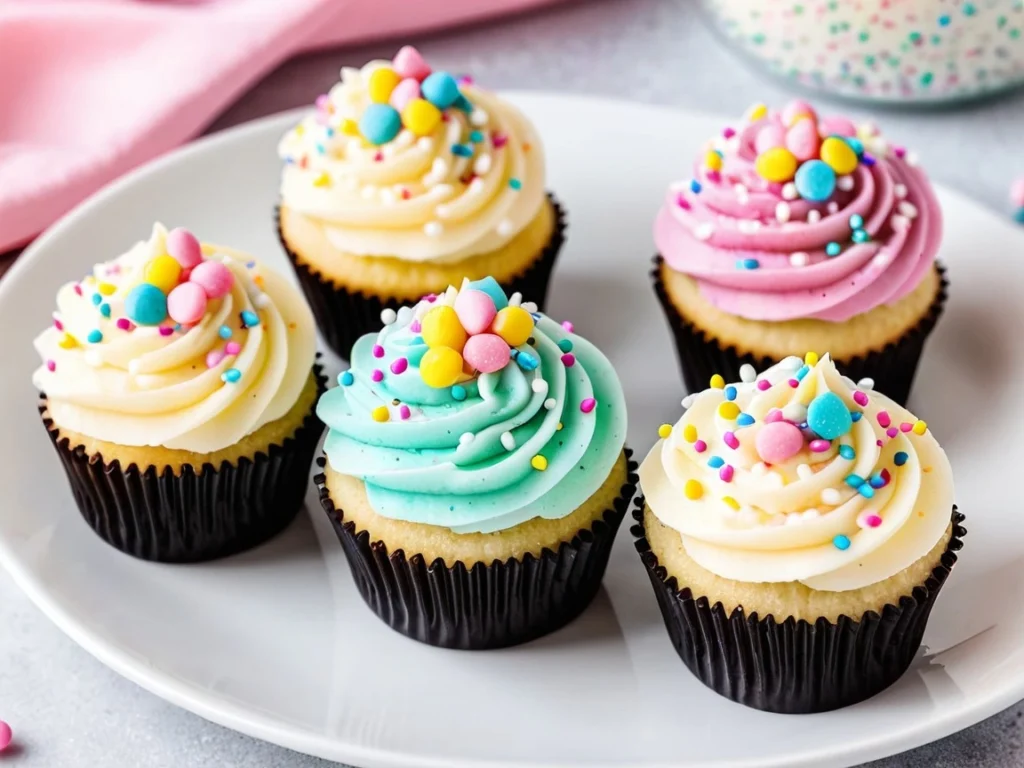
<point>485,606</point>
<point>343,316</point>
<point>893,368</point>
<point>794,667</point>
<point>192,516</point>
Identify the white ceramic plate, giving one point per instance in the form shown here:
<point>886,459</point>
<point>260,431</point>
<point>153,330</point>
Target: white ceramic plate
<point>278,644</point>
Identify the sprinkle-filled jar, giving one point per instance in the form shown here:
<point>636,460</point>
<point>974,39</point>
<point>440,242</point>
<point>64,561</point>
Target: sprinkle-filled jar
<point>881,50</point>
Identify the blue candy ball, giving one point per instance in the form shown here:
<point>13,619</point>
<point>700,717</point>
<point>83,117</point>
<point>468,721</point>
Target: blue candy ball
<point>1018,216</point>
<point>440,89</point>
<point>815,181</point>
<point>855,144</point>
<point>380,123</point>
<point>146,304</point>
<point>490,286</point>
<point>828,416</point>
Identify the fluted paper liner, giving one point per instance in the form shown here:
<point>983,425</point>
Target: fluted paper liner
<point>485,606</point>
<point>343,316</point>
<point>794,667</point>
<point>155,514</point>
<point>893,367</point>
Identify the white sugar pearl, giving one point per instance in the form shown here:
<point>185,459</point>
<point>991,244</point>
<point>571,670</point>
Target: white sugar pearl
<point>704,231</point>
<point>507,441</point>
<point>466,438</point>
<point>550,403</point>
<point>845,183</point>
<point>813,216</point>
<point>900,190</point>
<point>433,228</point>
<point>908,209</point>
<point>689,400</point>
<point>529,306</point>
<point>539,386</point>
<point>388,316</point>
<point>789,191</point>
<point>505,228</point>
<point>867,384</point>
<point>782,212</point>
<point>799,259</point>
<point>831,497</point>
<point>482,165</point>
<point>747,373</point>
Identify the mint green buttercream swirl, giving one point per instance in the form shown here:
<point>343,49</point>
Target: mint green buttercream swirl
<point>467,464</point>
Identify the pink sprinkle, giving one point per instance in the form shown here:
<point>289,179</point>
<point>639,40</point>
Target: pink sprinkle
<point>51,366</point>
<point>731,441</point>
<point>377,375</point>
<point>466,80</point>
<point>892,431</point>
<point>764,384</point>
<point>57,323</point>
<point>569,359</point>
<point>906,426</point>
<point>883,419</point>
<point>499,140</point>
<point>700,446</point>
<point>860,398</point>
<point>588,405</point>
<point>232,348</point>
<point>728,133</point>
<point>682,202</point>
<point>794,383</point>
<point>213,358</point>
<point>820,446</point>
<point>124,323</point>
<point>726,473</point>
<point>900,152</point>
<point>78,289</point>
<point>878,443</point>
<point>322,101</point>
<point>406,194</point>
<point>404,412</point>
<point>378,350</point>
<point>415,326</point>
<point>773,415</point>
<point>431,297</point>
<point>713,176</point>
<point>400,365</point>
<point>379,157</point>
<point>873,521</point>
<point>567,326</point>
<point>166,330</point>
<point>886,477</point>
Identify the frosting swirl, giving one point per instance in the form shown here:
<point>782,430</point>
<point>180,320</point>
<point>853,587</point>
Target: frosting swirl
<point>449,182</point>
<point>113,373</point>
<point>790,216</point>
<point>800,476</point>
<point>535,437</point>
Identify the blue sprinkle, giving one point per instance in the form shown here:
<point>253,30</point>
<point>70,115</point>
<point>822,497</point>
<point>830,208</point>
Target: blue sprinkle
<point>855,416</point>
<point>877,481</point>
<point>730,392</point>
<point>856,221</point>
<point>250,265</point>
<point>527,361</point>
<point>105,309</point>
<point>900,458</point>
<point>250,319</point>
<point>944,20</point>
<point>515,183</point>
<point>855,144</point>
<point>861,236</point>
<point>565,345</point>
<point>804,370</point>
<point>832,249</point>
<point>841,541</point>
<point>461,150</point>
<point>177,326</point>
<point>866,491</point>
<point>847,452</point>
<point>224,332</point>
<point>747,264</point>
<point>854,481</point>
<point>459,392</point>
<point>346,379</point>
<point>97,299</point>
<point>476,137</point>
<point>417,340</point>
<point>695,186</point>
<point>715,462</point>
<point>321,149</point>
<point>231,375</point>
<point>95,336</point>
<point>868,160</point>
<point>329,131</point>
<point>1018,216</point>
<point>744,420</point>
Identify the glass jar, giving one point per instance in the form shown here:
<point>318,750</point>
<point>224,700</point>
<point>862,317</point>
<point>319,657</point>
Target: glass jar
<point>881,50</point>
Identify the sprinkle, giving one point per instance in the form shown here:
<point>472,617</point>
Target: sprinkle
<point>920,427</point>
<point>250,319</point>
<point>539,463</point>
<point>731,502</point>
<point>819,446</point>
<point>831,497</point>
<point>462,150</point>
<point>588,405</point>
<point>704,231</point>
<point>764,384</point>
<point>871,520</point>
<point>664,431</point>
<point>860,398</point>
<point>508,442</point>
<point>782,212</point>
<point>747,264</point>
<point>380,413</point>
<point>565,345</point>
<point>900,458</point>
<point>793,383</point>
<point>95,336</point>
<point>717,382</point>
<point>700,446</point>
<point>527,361</point>
<point>224,332</point>
<point>695,186</point>
<point>346,379</point>
<point>841,542</point>
<point>67,341</point>
<point>458,392</point>
<point>689,433</point>
<point>906,426</point>
<point>550,403</point>
<point>388,316</point>
<point>568,360</point>
<point>747,373</point>
<point>847,452</point>
<point>730,440</point>
<point>515,184</point>
<point>804,370</point>
<point>97,299</point>
<point>832,249</point>
<point>377,375</point>
<point>883,419</point>
<point>892,432</point>
<point>715,462</point>
<point>726,473</point>
<point>231,375</point>
<point>166,330</point>
<point>728,410</point>
<point>476,136</point>
<point>107,289</point>
<point>860,236</point>
<point>876,481</point>
<point>866,490</point>
<point>730,392</point>
<point>232,348</point>
<point>855,416</point>
<point>51,366</point>
<point>378,350</point>
<point>566,325</point>
<point>466,438</point>
<point>856,221</point>
<point>400,365</point>
<point>854,481</point>
<point>693,490</point>
<point>744,420</point>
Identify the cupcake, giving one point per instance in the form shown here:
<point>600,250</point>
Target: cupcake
<point>403,182</point>
<point>797,530</point>
<point>475,469</point>
<point>178,387</point>
<point>798,233</point>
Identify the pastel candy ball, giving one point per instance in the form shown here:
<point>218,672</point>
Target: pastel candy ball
<point>487,353</point>
<point>380,123</point>
<point>404,92</point>
<point>778,441</point>
<point>441,90</point>
<point>803,140</point>
<point>837,126</point>
<point>186,304</point>
<point>5,735</point>
<point>441,367</point>
<point>163,272</point>
<point>797,110</point>
<point>769,137</point>
<point>441,328</point>
<point>381,83</point>
<point>815,181</point>
<point>514,325</point>
<point>183,246</point>
<point>776,165</point>
<point>409,62</point>
<point>214,278</point>
<point>475,310</point>
<point>491,287</point>
<point>1017,193</point>
<point>828,416</point>
<point>421,117</point>
<point>838,155</point>
<point>146,304</point>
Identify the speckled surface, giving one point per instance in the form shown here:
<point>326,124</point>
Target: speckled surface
<point>69,711</point>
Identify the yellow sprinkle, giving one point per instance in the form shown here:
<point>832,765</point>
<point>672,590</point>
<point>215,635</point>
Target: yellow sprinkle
<point>539,463</point>
<point>664,431</point>
<point>756,112</point>
<point>300,129</point>
<point>811,358</point>
<point>690,433</point>
<point>258,279</point>
<point>349,127</point>
<point>559,427</point>
<point>728,410</point>
<point>926,470</point>
<point>67,341</point>
<point>717,382</point>
<point>713,161</point>
<point>920,427</point>
<point>731,502</point>
<point>380,413</point>
<point>107,289</point>
<point>323,180</point>
<point>693,489</point>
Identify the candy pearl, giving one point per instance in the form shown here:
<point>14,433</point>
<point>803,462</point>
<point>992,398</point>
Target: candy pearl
<point>5,735</point>
<point>399,366</point>
<point>213,358</point>
<point>837,126</point>
<point>514,325</point>
<point>491,287</point>
<point>381,83</point>
<point>409,62</point>
<point>774,415</point>
<point>380,123</point>
<point>803,140</point>
<point>146,304</point>
<point>440,89</point>
<point>232,348</point>
<point>183,246</point>
<point>778,441</point>
<point>1017,193</point>
<point>828,416</point>
<point>441,328</point>
<point>186,304</point>
<point>769,137</point>
<point>486,352</point>
<point>797,110</point>
<point>420,117</point>
<point>404,92</point>
<point>776,164</point>
<point>441,367</point>
<point>213,277</point>
<point>163,272</point>
<point>819,446</point>
<point>815,181</point>
<point>476,311</point>
<point>838,155</point>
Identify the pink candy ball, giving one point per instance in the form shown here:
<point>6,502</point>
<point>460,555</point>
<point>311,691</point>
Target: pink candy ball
<point>409,62</point>
<point>778,441</point>
<point>795,108</point>
<point>475,310</point>
<point>837,126</point>
<point>186,304</point>
<point>5,735</point>
<point>183,246</point>
<point>214,278</point>
<point>232,348</point>
<point>213,358</point>
<point>769,137</point>
<point>803,140</point>
<point>486,352</point>
<point>1017,193</point>
<point>404,92</point>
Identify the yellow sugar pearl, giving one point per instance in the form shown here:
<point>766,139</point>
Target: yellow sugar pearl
<point>380,413</point>
<point>559,427</point>
<point>920,427</point>
<point>513,324</point>
<point>838,155</point>
<point>441,367</point>
<point>107,289</point>
<point>349,127</point>
<point>441,328</point>
<point>421,117</point>
<point>717,382</point>
<point>811,358</point>
<point>777,164</point>
<point>300,130</point>
<point>693,489</point>
<point>730,501</point>
<point>664,431</point>
<point>756,112</point>
<point>382,83</point>
<point>322,180</point>
<point>67,341</point>
<point>690,433</point>
<point>539,463</point>
<point>713,161</point>
<point>728,410</point>
<point>163,272</point>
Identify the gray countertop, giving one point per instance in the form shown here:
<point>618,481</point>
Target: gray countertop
<point>69,711</point>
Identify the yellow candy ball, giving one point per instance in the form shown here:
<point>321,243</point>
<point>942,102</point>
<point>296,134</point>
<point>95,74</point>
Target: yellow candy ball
<point>539,463</point>
<point>421,117</point>
<point>811,358</point>
<point>838,155</point>
<point>513,324</point>
<point>441,367</point>
<point>163,272</point>
<point>382,83</point>
<point>441,328</point>
<point>728,410</point>
<point>731,502</point>
<point>690,433</point>
<point>380,413</point>
<point>693,489</point>
<point>717,382</point>
<point>777,164</point>
<point>756,112</point>
<point>349,127</point>
<point>713,161</point>
<point>664,431</point>
<point>920,427</point>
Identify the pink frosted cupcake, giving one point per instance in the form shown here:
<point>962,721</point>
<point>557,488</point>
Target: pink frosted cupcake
<point>798,232</point>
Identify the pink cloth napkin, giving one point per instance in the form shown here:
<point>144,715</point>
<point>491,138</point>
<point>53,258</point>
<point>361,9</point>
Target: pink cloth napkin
<point>91,88</point>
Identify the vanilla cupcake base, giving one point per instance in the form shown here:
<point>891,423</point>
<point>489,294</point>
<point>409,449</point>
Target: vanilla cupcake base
<point>482,590</point>
<point>178,506</point>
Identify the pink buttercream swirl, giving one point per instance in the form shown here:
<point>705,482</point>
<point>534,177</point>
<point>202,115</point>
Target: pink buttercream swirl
<point>758,249</point>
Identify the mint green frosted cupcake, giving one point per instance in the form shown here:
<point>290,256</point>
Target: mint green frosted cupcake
<point>476,469</point>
